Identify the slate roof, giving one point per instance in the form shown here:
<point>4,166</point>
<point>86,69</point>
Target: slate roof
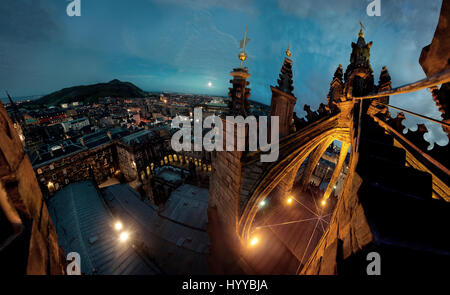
<point>176,236</point>
<point>85,225</point>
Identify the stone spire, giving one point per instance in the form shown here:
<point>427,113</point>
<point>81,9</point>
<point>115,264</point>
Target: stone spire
<point>384,84</point>
<point>336,88</point>
<point>360,57</point>
<point>385,78</point>
<point>358,76</point>
<point>283,101</point>
<point>339,73</point>
<point>285,81</point>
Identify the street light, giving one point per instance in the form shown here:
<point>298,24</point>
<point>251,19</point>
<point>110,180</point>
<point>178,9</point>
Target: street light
<point>324,202</point>
<point>254,241</point>
<point>123,236</point>
<point>118,225</point>
<point>289,200</point>
<point>262,203</point>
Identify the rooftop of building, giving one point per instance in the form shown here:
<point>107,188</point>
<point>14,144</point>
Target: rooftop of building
<point>43,157</point>
<point>140,136</point>
<point>46,155</point>
<point>85,225</point>
<point>77,120</point>
<point>175,236</point>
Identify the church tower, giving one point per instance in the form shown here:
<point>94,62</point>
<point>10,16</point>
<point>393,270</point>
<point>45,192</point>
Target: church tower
<point>283,100</point>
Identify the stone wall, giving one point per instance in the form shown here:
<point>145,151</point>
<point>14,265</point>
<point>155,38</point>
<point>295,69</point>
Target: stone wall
<point>282,105</point>
<point>35,241</point>
<point>225,181</point>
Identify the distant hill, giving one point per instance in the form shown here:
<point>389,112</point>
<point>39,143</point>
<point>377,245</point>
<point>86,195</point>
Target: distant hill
<point>89,93</point>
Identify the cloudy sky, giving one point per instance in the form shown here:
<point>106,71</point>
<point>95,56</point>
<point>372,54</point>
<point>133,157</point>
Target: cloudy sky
<point>182,45</point>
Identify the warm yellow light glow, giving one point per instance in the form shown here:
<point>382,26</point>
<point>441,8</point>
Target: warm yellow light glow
<point>118,225</point>
<point>254,241</point>
<point>324,202</point>
<point>289,200</point>
<point>262,203</point>
<point>124,236</point>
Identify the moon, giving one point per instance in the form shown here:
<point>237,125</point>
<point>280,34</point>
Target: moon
<point>209,84</point>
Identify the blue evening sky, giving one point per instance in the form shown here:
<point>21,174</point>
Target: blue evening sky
<point>182,45</point>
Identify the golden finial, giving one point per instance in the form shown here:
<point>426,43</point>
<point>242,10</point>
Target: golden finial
<point>361,33</point>
<point>242,55</point>
<point>288,52</point>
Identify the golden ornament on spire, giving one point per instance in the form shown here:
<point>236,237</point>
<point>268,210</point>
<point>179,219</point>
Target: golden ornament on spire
<point>288,52</point>
<point>361,33</point>
<point>242,55</point>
